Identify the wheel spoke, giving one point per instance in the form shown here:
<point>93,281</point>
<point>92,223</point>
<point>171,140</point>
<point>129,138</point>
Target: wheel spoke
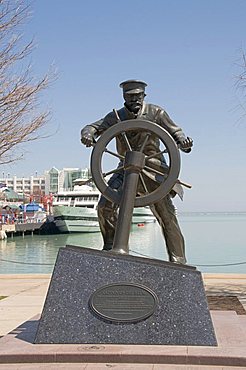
<point>123,134</point>
<point>156,154</point>
<point>113,171</point>
<point>154,170</point>
<point>143,183</point>
<point>114,154</point>
<point>145,142</point>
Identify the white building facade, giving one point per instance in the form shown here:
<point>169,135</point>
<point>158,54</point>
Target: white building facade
<point>52,181</point>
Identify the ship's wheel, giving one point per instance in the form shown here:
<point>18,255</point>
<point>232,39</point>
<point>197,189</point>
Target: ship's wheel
<point>134,164</point>
<point>124,130</point>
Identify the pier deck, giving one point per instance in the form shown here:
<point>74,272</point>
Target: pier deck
<point>20,228</point>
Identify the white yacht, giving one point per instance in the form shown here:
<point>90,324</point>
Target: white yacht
<point>75,211</point>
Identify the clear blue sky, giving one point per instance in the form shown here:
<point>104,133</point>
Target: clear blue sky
<point>186,50</point>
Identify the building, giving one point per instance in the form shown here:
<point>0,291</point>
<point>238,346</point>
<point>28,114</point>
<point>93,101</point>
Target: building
<point>52,181</point>
<point>58,180</point>
<point>25,186</point>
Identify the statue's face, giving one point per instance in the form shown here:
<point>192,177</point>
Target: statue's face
<point>134,102</point>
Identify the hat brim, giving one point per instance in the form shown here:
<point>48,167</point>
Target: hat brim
<point>134,91</point>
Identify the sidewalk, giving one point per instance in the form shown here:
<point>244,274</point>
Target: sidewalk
<point>226,285</point>
<point>25,299</point>
<point>26,295</point>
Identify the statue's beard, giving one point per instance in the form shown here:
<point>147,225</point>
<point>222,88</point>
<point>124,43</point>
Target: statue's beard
<point>134,107</point>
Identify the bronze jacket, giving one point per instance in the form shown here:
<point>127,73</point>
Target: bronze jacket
<point>148,112</point>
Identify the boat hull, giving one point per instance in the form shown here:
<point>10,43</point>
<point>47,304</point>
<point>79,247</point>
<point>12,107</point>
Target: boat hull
<point>76,219</point>
<point>84,220</point>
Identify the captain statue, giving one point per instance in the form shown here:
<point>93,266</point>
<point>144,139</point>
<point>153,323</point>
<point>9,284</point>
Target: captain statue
<point>136,108</point>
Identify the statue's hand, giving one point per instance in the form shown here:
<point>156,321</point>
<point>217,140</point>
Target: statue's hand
<point>87,135</point>
<point>185,144</point>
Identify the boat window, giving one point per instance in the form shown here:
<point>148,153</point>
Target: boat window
<point>84,206</point>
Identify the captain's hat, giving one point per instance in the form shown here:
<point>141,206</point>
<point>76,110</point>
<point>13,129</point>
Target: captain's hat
<point>133,86</point>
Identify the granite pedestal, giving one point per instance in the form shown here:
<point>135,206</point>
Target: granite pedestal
<point>172,296</point>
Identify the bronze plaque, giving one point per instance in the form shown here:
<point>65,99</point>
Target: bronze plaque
<point>123,302</point>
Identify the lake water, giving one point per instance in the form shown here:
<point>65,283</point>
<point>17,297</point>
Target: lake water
<point>215,242</point>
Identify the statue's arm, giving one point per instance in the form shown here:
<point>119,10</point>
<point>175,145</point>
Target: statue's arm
<point>90,132</point>
<point>184,142</point>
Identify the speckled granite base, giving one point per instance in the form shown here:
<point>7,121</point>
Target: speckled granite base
<point>181,318</point>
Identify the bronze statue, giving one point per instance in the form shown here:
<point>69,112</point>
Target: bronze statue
<point>164,211</point>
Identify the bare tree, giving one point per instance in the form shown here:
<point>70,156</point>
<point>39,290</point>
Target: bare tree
<point>21,117</point>
<point>240,83</point>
